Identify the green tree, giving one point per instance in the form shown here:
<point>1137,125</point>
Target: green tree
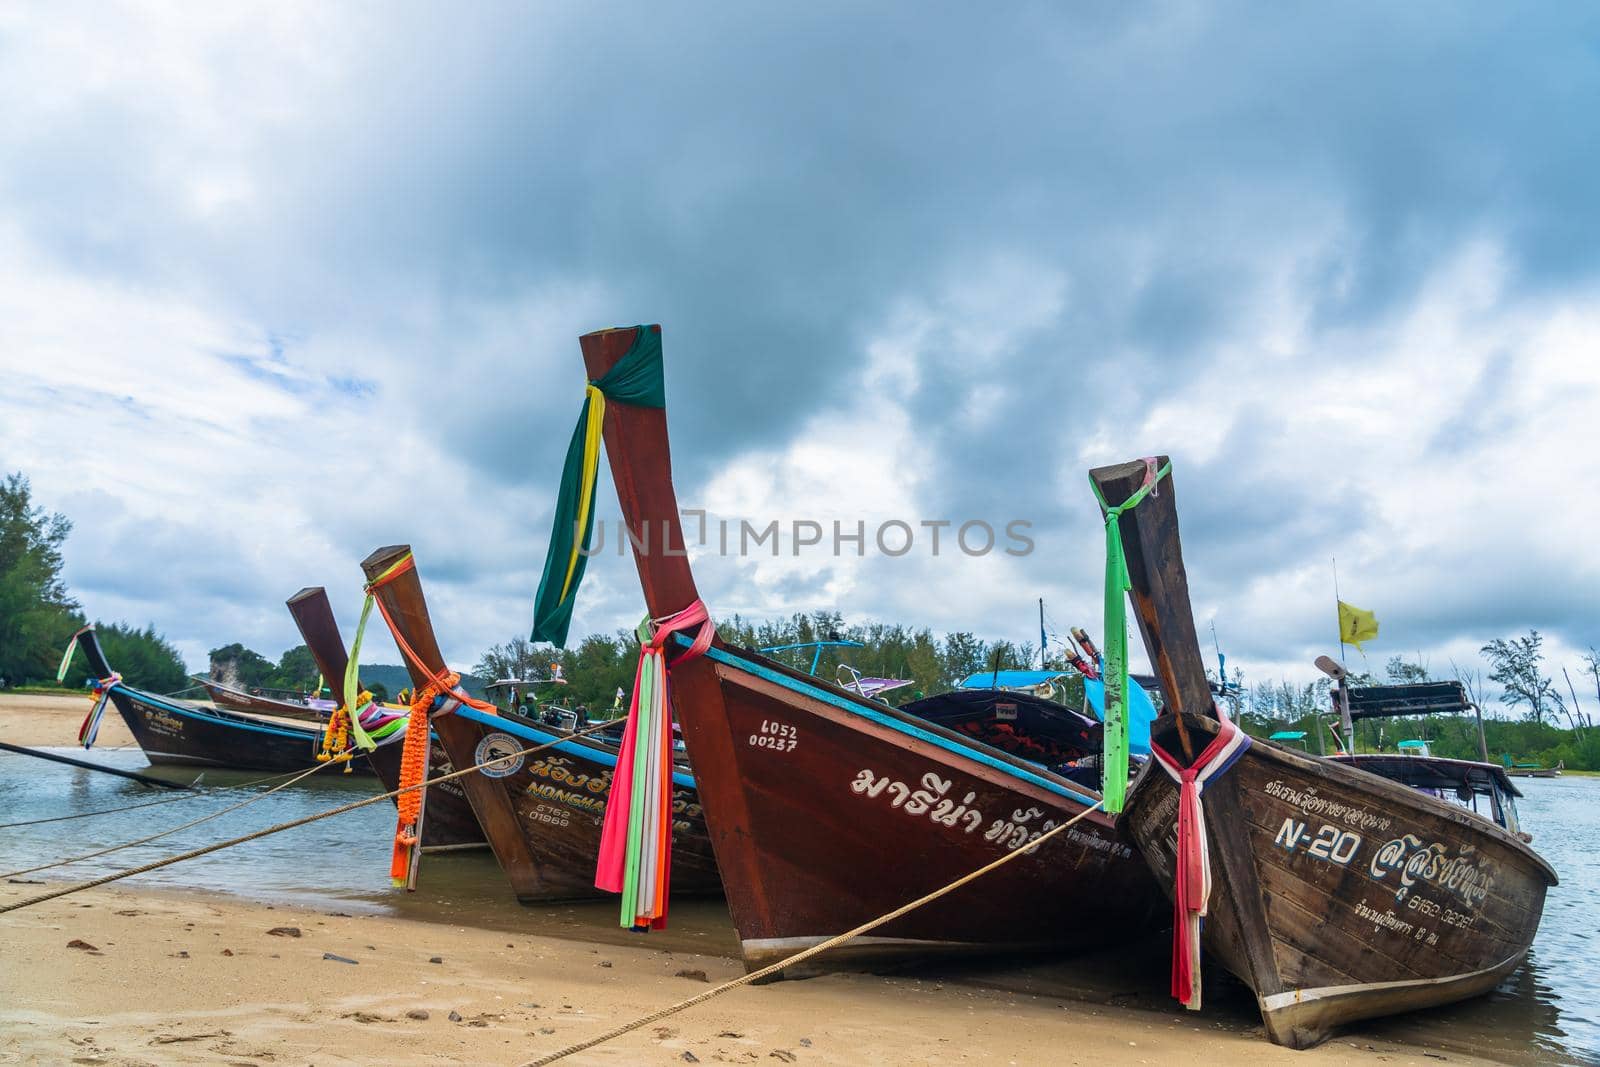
<point>1518,665</point>
<point>36,614</point>
<point>296,670</point>
<point>144,658</point>
<point>1403,672</point>
<point>239,666</point>
<point>516,658</point>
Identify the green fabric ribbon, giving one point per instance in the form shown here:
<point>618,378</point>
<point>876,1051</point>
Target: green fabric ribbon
<point>1114,763</point>
<point>636,379</point>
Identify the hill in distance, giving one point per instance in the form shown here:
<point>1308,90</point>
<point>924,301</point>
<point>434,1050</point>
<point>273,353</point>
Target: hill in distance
<point>394,678</point>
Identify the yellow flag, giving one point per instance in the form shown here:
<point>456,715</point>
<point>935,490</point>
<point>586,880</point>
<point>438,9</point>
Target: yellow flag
<point>1356,624</point>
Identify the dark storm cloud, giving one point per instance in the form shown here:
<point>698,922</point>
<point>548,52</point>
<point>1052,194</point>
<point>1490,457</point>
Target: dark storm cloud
<point>470,189</point>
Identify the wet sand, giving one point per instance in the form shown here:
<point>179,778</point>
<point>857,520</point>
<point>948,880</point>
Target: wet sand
<point>189,978</point>
<point>40,721</point>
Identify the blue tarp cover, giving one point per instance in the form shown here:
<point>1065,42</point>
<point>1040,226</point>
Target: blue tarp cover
<point>1140,710</point>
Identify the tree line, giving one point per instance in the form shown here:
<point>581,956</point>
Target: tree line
<point>1547,721</point>
<point>38,616</point>
<point>1542,724</point>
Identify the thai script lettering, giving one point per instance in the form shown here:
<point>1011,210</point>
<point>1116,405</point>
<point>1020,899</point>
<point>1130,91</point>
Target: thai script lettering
<point>1310,803</point>
<point>559,769</point>
<point>1384,920</point>
<point>930,800</point>
<point>1413,862</point>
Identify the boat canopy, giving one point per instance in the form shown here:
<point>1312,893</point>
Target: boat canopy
<point>1141,711</point>
<point>1434,772</point>
<point>1419,698</point>
<point>1025,725</point>
<point>1010,679</point>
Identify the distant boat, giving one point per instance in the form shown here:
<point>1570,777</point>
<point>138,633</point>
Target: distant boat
<point>1533,770</point>
<point>1340,889</point>
<point>235,699</point>
<point>450,823</point>
<point>177,732</point>
<point>827,808</point>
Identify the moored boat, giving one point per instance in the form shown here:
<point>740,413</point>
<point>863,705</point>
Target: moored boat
<point>450,822</point>
<point>312,709</point>
<point>826,808</point>
<point>177,732</point>
<point>1335,894</point>
<point>557,796</point>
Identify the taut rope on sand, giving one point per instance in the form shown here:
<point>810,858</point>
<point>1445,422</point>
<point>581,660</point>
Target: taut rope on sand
<point>805,954</point>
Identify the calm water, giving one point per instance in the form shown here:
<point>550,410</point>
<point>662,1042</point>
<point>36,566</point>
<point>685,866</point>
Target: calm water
<point>1549,1010</point>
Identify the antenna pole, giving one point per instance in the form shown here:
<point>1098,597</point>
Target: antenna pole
<point>1042,645</point>
<point>1338,618</point>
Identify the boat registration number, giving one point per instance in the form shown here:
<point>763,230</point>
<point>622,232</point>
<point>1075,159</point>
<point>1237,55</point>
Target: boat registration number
<point>777,736</point>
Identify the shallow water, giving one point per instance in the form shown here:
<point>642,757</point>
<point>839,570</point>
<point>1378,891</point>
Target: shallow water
<point>1549,1010</point>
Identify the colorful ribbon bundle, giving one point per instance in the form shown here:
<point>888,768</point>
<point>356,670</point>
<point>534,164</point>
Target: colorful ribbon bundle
<point>1191,882</point>
<point>1114,770</point>
<point>91,723</point>
<point>636,842</point>
<point>72,646</point>
<point>636,379</point>
<point>100,692</point>
<point>378,723</point>
<point>440,696</point>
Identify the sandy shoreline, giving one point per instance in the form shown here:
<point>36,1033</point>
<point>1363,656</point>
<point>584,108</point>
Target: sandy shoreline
<point>183,976</point>
<point>53,721</point>
<point>190,978</point>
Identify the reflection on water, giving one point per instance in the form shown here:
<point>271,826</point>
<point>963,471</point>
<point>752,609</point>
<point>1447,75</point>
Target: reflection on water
<point>1549,1010</point>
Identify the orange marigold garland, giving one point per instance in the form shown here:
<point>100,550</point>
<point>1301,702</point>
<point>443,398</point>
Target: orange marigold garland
<point>414,771</point>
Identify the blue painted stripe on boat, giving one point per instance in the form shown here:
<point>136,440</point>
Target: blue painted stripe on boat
<point>218,720</point>
<point>571,748</point>
<point>975,754</point>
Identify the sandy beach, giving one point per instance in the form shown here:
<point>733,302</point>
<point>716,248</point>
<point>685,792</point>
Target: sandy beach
<point>53,721</point>
<point>123,976</point>
<point>130,974</point>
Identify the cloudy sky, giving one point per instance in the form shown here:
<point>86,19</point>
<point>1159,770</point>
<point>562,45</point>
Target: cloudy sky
<point>287,282</point>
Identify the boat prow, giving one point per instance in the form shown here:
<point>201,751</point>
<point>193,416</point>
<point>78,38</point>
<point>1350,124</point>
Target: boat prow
<point>1334,893</point>
<point>1339,895</point>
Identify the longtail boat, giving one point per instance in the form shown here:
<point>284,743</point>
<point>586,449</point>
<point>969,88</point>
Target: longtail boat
<point>556,798</point>
<point>827,809</point>
<point>1334,893</point>
<point>190,734</point>
<point>450,823</point>
<point>235,699</point>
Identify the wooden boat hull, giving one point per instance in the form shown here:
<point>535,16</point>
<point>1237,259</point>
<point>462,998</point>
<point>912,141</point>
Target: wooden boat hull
<point>171,732</point>
<point>559,797</point>
<point>825,781</point>
<point>1338,895</point>
<point>827,810</point>
<point>224,696</point>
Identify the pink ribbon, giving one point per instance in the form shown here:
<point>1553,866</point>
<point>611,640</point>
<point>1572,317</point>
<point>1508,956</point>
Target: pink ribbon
<point>611,867</point>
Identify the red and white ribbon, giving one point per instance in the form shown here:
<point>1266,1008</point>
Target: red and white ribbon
<point>1191,882</point>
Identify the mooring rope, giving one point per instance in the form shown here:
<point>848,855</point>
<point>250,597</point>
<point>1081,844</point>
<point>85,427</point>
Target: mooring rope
<point>150,803</point>
<point>298,776</point>
<point>291,824</point>
<point>805,954</point>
